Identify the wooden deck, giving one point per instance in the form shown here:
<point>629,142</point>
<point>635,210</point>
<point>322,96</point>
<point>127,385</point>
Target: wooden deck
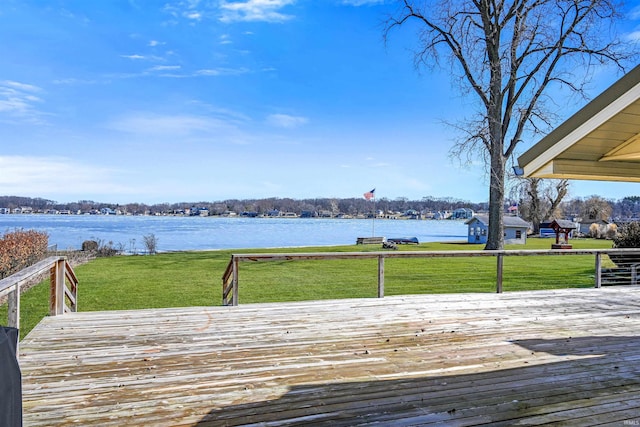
<point>568,357</point>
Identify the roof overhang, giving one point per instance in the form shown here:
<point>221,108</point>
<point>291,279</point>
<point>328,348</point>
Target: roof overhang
<point>599,142</point>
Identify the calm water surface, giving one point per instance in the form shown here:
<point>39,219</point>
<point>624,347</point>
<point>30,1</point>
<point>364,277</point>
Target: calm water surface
<point>201,233</point>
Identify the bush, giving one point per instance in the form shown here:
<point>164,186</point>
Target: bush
<point>599,231</point>
<point>20,249</point>
<point>107,249</point>
<point>151,243</point>
<point>100,248</point>
<point>89,246</point>
<point>628,236</point>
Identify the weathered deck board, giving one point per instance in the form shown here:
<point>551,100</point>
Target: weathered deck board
<point>461,359</point>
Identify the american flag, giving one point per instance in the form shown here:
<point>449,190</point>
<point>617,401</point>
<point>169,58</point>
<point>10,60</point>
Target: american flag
<point>369,194</point>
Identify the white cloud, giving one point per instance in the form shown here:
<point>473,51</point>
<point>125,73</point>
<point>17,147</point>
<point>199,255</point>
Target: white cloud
<point>133,56</point>
<point>286,121</point>
<point>221,72</point>
<point>39,176</point>
<point>196,16</point>
<point>195,11</point>
<point>154,43</point>
<point>219,112</point>
<point>191,10</point>
<point>74,81</point>
<point>362,2</point>
<point>18,101</point>
<point>20,86</point>
<point>176,71</point>
<point>165,68</point>
<point>634,13</point>
<point>633,36</point>
<point>254,10</point>
<point>175,126</point>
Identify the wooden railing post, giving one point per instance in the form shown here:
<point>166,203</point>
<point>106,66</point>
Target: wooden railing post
<point>499,266</point>
<point>380,276</point>
<point>56,302</point>
<point>234,298</point>
<point>52,289</point>
<point>14,308</point>
<point>598,270</point>
<point>73,290</point>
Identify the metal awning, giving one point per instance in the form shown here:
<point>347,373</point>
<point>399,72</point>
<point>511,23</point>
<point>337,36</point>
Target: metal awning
<point>599,142</point>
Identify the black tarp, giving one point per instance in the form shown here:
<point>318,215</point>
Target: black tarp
<point>10,379</point>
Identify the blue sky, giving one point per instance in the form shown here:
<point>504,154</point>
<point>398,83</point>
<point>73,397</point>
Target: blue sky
<point>166,101</point>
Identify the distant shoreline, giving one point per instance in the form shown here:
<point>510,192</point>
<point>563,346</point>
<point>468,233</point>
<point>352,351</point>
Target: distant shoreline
<point>358,217</point>
<point>179,233</point>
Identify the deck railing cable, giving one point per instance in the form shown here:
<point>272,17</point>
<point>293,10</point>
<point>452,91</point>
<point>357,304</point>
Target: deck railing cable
<point>625,269</point>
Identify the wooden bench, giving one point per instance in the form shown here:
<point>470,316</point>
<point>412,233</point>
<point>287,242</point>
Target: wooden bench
<point>370,240</point>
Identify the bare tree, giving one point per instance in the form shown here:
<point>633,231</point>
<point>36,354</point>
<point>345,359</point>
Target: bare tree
<point>596,208</point>
<point>151,243</point>
<point>508,53</point>
<point>540,199</point>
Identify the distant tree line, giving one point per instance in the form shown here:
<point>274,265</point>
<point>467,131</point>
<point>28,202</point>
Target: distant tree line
<point>349,206</point>
<point>588,208</point>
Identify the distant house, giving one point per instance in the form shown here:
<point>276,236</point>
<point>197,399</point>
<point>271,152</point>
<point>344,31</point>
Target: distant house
<point>4,211</point>
<point>515,229</point>
<point>195,211</point>
<point>462,213</point>
<point>412,214</point>
<point>441,215</point>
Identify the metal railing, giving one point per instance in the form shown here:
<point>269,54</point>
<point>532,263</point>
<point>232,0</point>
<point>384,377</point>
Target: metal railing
<point>623,273</point>
<point>63,296</point>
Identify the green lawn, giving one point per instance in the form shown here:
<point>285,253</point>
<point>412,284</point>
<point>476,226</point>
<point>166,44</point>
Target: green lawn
<point>194,278</point>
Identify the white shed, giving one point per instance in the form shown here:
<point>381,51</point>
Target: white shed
<point>515,229</point>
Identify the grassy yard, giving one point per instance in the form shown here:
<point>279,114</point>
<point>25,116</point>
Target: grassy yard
<point>194,278</point>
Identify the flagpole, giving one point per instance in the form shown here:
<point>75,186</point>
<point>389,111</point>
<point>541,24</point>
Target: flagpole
<point>373,221</point>
<point>371,195</point>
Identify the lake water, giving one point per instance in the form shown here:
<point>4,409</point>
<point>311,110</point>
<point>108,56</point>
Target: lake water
<point>202,233</point>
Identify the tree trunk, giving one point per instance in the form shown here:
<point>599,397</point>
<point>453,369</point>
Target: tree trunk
<point>495,145</point>
<point>535,207</point>
<point>495,238</point>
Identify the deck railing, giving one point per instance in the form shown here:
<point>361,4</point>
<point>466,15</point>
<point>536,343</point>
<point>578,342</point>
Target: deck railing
<point>628,274</point>
<point>63,296</point>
